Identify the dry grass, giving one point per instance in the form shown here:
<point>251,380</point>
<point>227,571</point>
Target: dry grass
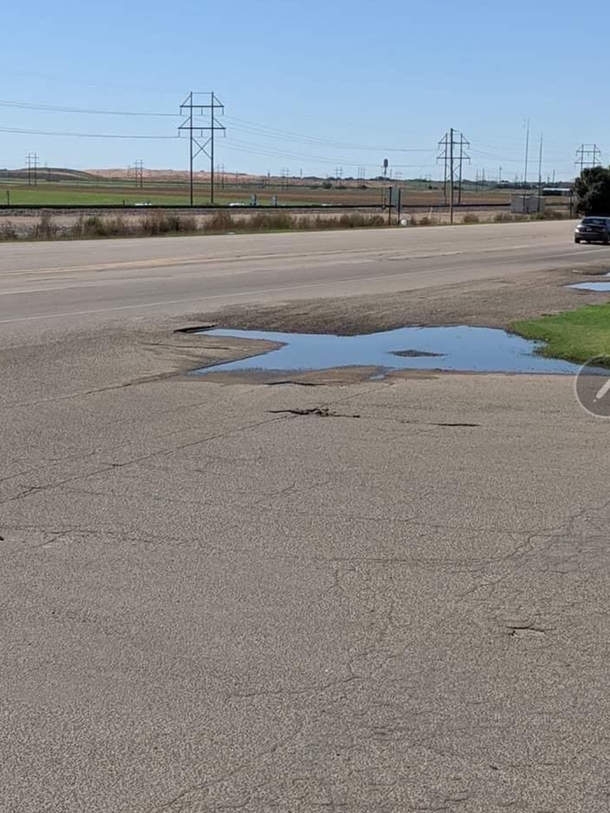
<point>8,232</point>
<point>160,223</point>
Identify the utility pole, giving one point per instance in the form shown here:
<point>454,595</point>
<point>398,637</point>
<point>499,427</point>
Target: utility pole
<point>201,134</point>
<point>444,156</point>
<point>463,142</point>
<point>451,179</point>
<point>453,166</point>
<point>540,166</point>
<point>589,155</point>
<point>138,169</point>
<point>32,167</point>
<point>527,151</point>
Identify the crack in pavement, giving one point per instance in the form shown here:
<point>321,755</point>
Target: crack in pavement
<point>110,466</point>
<point>320,412</point>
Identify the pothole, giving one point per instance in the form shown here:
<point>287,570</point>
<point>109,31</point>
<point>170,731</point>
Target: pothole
<point>442,349</point>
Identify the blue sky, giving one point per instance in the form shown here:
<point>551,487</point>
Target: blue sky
<point>311,85</point>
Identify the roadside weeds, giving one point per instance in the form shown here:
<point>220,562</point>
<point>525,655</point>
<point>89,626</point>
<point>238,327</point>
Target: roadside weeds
<point>160,223</point>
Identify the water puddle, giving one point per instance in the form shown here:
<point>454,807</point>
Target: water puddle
<point>457,349</point>
<point>600,287</point>
<point>591,286</point>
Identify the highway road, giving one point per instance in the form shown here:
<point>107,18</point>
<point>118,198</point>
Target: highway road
<point>57,280</point>
<point>212,598</point>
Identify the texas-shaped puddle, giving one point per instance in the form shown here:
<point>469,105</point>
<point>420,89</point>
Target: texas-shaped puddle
<point>456,349</point>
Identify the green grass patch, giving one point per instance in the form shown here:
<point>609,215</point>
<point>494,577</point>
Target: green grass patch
<point>577,335</point>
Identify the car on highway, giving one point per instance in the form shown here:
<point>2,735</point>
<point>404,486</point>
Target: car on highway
<point>593,230</point>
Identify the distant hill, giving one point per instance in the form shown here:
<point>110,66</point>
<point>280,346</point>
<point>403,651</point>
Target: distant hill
<point>52,174</point>
<point>166,174</point>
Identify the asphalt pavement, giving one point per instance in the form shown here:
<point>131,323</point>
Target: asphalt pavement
<point>212,599</point>
<point>62,279</point>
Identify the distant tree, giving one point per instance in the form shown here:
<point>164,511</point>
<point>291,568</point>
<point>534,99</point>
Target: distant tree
<point>592,190</point>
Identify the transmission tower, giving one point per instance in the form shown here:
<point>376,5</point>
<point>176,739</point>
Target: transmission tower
<point>201,133</point>
<point>453,153</point>
<point>138,169</point>
<point>31,161</point>
<point>589,155</point>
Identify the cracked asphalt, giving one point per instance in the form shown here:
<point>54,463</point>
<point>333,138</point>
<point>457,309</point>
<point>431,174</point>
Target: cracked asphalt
<point>365,596</point>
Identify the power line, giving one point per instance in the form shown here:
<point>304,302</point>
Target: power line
<point>67,134</point>
<point>588,155</point>
<point>270,152</point>
<point>273,132</point>
<point>196,131</point>
<point>84,110</point>
<point>269,132</point>
<point>277,152</point>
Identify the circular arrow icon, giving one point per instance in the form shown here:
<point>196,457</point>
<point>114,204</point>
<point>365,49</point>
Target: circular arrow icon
<point>592,388</point>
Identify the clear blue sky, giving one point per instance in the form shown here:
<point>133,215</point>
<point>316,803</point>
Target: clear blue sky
<point>310,85</point>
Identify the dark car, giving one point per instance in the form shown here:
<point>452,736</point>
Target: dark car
<point>593,230</point>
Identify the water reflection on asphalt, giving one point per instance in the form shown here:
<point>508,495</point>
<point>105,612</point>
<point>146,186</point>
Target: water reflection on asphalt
<point>461,348</point>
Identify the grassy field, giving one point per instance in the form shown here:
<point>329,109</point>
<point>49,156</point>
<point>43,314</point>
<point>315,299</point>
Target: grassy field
<point>86,190</point>
<point>577,335</point>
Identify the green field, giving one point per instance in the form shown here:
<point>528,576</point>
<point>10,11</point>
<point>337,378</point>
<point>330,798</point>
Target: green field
<point>70,188</point>
<point>577,335</point>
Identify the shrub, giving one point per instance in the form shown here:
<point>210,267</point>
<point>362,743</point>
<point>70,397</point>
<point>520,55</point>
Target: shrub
<point>46,228</point>
<point>555,214</point>
<point>220,221</point>
<point>8,232</point>
<point>471,218</point>
<point>274,221</point>
<point>504,217</point>
<point>160,222</point>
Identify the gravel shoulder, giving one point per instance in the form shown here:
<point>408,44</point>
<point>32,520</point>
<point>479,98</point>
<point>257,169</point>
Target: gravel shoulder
<point>494,303</point>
